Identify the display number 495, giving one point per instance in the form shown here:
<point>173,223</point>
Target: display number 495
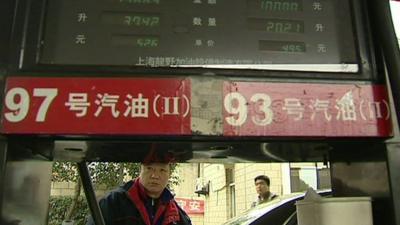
<point>17,101</point>
<point>237,105</point>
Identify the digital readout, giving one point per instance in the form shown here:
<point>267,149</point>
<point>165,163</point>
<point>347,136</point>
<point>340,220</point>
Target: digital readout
<point>276,5</point>
<point>276,25</point>
<point>139,2</point>
<point>140,41</point>
<point>131,19</point>
<point>221,34</point>
<point>282,46</point>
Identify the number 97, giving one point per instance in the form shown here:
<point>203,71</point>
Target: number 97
<point>17,101</point>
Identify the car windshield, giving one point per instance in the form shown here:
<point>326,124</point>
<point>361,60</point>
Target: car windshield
<point>253,213</point>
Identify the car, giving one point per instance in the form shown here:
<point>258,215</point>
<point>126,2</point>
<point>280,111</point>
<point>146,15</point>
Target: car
<point>280,211</point>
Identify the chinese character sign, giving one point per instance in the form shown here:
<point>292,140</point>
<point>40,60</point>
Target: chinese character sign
<point>295,109</point>
<point>163,106</point>
<point>191,206</point>
<point>97,106</point>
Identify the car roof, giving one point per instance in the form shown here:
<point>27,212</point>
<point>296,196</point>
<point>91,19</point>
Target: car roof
<point>252,214</point>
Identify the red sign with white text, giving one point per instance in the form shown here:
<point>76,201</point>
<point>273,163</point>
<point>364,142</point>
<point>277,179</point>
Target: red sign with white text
<point>107,106</point>
<point>191,206</point>
<point>299,110</point>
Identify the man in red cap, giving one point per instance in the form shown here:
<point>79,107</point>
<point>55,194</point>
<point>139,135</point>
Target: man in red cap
<point>145,200</point>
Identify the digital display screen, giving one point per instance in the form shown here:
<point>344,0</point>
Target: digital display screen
<point>276,25</point>
<point>144,2</point>
<point>131,19</point>
<point>282,46</point>
<point>135,41</point>
<point>276,5</point>
<point>249,34</point>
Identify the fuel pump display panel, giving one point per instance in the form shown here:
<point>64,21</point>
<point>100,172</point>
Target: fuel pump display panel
<point>247,34</point>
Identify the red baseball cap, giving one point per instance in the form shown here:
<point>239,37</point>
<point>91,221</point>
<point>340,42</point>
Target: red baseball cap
<point>160,156</point>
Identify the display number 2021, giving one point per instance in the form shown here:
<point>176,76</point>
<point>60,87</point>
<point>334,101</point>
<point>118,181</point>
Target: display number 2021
<point>18,101</point>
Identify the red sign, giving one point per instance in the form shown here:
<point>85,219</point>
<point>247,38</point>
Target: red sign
<point>162,106</point>
<point>191,206</point>
<point>295,109</point>
<point>106,106</point>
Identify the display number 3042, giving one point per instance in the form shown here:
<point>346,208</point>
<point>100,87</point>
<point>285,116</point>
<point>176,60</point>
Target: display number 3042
<point>238,107</point>
<point>18,100</point>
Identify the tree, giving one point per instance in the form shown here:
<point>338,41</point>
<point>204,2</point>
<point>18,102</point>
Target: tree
<point>107,175</point>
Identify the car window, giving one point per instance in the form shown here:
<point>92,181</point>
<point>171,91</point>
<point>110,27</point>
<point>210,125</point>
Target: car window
<point>277,216</point>
<point>292,220</point>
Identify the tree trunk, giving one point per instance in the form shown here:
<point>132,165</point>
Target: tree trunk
<point>74,203</point>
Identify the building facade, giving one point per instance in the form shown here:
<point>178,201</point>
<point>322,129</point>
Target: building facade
<point>228,189</point>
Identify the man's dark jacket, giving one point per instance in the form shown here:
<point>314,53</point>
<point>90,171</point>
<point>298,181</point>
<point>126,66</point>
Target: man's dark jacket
<point>122,207</point>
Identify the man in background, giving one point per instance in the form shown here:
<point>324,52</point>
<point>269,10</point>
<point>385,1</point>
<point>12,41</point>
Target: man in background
<point>262,183</point>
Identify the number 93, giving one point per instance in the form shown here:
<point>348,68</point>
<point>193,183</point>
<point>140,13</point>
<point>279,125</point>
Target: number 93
<point>236,104</point>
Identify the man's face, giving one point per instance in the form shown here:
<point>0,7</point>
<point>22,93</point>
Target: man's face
<point>154,177</point>
<point>261,187</point>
